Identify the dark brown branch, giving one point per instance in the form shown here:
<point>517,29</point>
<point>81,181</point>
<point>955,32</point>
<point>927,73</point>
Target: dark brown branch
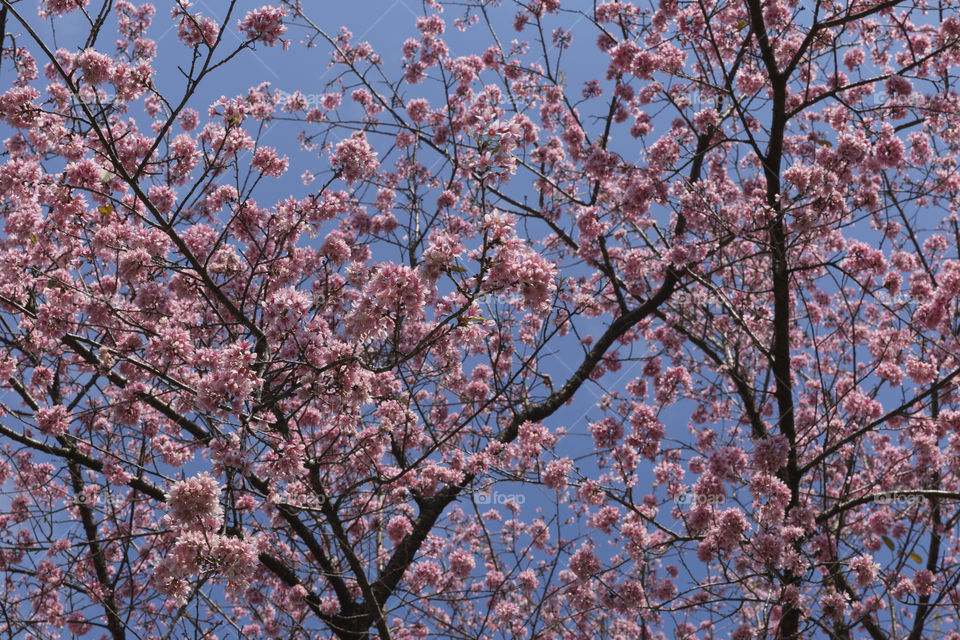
<point>114,623</point>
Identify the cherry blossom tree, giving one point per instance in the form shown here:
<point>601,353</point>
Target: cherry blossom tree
<point>354,407</point>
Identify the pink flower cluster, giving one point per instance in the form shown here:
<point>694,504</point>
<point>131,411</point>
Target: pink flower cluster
<point>398,528</point>
<point>647,430</point>
<point>354,158</point>
<point>269,163</point>
<point>195,502</point>
<point>97,67</point>
<point>864,569</point>
<point>556,472</point>
<point>584,562</point>
<point>462,563</point>
<point>725,534</point>
<point>194,29</point>
<point>393,292</point>
<point>53,421</point>
<point>57,8</point>
<point>441,253</point>
<point>230,378</point>
<point>232,559</point>
<point>265,25</point>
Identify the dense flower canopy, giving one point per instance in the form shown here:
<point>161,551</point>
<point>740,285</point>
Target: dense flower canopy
<point>554,320</point>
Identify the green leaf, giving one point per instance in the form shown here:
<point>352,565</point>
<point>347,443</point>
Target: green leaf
<point>825,143</point>
<point>916,558</point>
<point>887,541</point>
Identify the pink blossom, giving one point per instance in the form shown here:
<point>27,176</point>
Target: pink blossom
<point>355,158</point>
<point>53,421</point>
<point>77,624</point>
<point>174,573</point>
<point>115,474</point>
<point>924,582</point>
<point>392,288</point>
<point>770,453</point>
<point>705,119</point>
<point>97,67</point>
<point>921,372</point>
<point>236,561</point>
<point>425,574</point>
<point>417,109</point>
<point>731,526</point>
<point>313,375</point>
<point>861,407</point>
<point>861,257</point>
<point>85,173</point>
<point>890,372</point>
<point>196,501</point>
<point>58,8</point>
<point>606,432</point>
<point>16,106</point>
<point>266,161</point>
<point>865,569</point>
<point>950,27</point>
<point>184,150</point>
<point>441,253</point>
<point>899,86</point>
<point>528,580</point>
<point>164,198</point>
<point>743,632</point>
<point>833,604</point>
<point>196,29</point>
<point>188,119</point>
<point>493,579</point>
<point>621,57</point>
<point>647,430</point>
<point>533,437</point>
<point>889,149</point>
<point>431,25</point>
<point>605,518</point>
<point>668,383</point>
<point>584,562</point>
<point>462,563</point>
<point>264,24</point>
<point>536,282</point>
<point>727,462</point>
<point>336,248</point>
<point>398,528</point>
<point>853,58</point>
<point>556,472</point>
<point>284,462</point>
